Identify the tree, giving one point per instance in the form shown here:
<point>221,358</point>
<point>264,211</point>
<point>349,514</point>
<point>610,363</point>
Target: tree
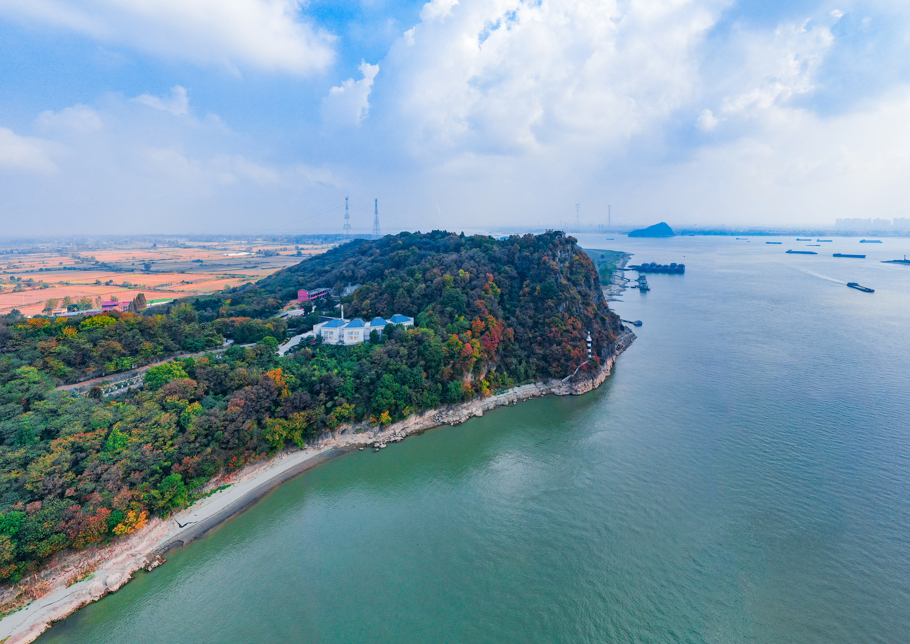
<point>156,377</point>
<point>171,494</point>
<point>85,303</point>
<point>50,305</point>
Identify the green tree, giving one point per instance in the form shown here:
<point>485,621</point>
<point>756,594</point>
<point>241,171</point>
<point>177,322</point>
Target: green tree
<point>156,377</point>
<point>171,494</point>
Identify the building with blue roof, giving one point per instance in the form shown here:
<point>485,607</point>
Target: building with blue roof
<point>341,331</point>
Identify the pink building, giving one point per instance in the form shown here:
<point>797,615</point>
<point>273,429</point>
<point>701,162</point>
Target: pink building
<point>308,296</point>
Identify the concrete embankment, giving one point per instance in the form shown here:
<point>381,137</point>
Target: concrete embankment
<point>79,578</point>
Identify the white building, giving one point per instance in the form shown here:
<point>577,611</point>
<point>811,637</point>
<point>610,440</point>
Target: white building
<point>341,331</point>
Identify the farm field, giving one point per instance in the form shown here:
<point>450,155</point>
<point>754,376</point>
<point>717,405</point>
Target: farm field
<point>28,279</point>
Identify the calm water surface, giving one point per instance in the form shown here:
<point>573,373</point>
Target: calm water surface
<point>743,476</point>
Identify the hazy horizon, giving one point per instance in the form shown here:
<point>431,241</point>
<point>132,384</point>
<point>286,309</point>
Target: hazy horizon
<point>261,116</point>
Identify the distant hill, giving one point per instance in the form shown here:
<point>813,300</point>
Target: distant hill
<point>657,230</point>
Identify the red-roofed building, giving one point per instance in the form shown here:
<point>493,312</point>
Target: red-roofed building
<point>308,296</point>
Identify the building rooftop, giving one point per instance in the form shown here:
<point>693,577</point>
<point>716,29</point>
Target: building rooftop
<point>337,322</point>
<point>400,319</point>
<point>378,322</point>
<point>356,323</point>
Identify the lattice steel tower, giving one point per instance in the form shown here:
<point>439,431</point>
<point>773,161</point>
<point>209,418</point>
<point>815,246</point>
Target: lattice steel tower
<point>347,221</point>
<point>377,232</point>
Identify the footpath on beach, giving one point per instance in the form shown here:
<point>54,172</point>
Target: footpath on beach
<point>83,577</point>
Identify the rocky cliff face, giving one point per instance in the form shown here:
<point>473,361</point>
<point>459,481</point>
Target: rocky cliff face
<point>363,434</point>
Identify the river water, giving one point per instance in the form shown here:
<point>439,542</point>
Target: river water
<point>743,476</point>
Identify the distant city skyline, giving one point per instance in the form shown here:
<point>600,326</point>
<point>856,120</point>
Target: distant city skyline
<point>261,116</point>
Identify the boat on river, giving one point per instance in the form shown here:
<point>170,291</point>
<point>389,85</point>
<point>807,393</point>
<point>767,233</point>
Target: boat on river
<point>845,255</point>
<point>802,252</point>
<point>864,289</point>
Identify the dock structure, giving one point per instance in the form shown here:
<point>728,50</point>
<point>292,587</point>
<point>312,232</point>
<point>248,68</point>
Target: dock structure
<point>643,284</point>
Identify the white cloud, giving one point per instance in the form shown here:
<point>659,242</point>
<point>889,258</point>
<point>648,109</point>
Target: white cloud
<point>24,153</point>
<point>348,104</point>
<point>778,66</point>
<point>706,121</point>
<point>516,78</point>
<point>436,9</point>
<point>177,104</point>
<point>799,168</point>
<point>76,119</point>
<point>119,166</point>
<point>262,34</point>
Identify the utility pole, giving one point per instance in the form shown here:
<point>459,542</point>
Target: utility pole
<point>377,233</point>
<point>347,221</point>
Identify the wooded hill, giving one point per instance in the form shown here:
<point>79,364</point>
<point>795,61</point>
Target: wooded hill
<point>76,471</point>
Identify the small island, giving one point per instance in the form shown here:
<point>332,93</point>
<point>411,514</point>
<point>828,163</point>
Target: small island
<point>657,230</point>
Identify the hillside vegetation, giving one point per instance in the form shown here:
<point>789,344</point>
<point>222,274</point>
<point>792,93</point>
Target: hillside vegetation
<point>76,471</point>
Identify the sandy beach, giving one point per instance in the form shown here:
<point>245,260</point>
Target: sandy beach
<point>80,578</point>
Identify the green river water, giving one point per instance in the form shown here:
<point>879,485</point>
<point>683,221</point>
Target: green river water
<point>743,476</point>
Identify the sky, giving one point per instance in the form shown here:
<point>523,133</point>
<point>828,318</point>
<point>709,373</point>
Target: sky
<point>261,116</point>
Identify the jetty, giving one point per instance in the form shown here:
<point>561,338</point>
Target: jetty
<point>643,284</point>
<point>635,323</point>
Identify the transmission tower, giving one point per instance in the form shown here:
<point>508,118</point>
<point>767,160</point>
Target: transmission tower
<point>377,233</point>
<point>347,221</point>
<point>577,219</point>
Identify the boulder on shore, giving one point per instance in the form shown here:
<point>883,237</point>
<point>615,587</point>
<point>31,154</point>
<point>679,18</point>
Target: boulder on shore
<point>657,230</point>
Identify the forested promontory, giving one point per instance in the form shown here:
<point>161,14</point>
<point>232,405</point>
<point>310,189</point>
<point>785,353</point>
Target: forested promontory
<point>77,470</point>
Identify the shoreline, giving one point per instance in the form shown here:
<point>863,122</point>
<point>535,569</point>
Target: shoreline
<point>80,578</point>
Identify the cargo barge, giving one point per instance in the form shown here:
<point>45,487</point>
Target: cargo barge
<point>864,289</point>
<point>870,241</point>
<point>802,252</point>
<point>845,255</point>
